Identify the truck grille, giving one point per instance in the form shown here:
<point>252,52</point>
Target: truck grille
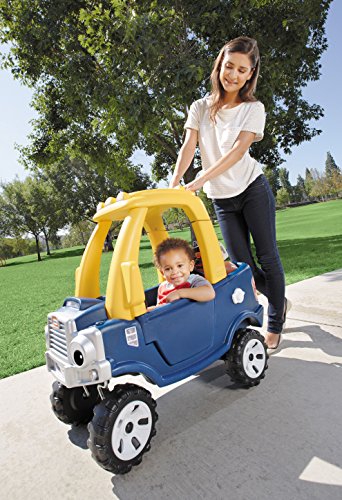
<point>57,337</point>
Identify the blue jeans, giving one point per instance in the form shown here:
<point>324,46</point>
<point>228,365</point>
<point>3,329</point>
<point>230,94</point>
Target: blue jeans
<point>253,213</point>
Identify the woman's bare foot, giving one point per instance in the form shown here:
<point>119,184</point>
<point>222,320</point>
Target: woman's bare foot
<point>272,340</point>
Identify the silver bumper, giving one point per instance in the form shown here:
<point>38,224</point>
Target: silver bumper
<point>63,341</point>
<point>74,376</point>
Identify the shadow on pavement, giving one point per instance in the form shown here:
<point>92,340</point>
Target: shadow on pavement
<point>214,377</point>
<point>320,338</point>
<point>334,277</point>
<point>78,435</point>
<point>217,440</point>
<point>216,443</point>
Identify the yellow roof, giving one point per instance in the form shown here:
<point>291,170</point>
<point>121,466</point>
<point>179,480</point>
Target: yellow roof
<point>160,199</point>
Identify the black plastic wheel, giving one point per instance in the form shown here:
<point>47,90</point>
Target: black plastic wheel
<point>246,360</point>
<point>73,406</point>
<point>122,428</point>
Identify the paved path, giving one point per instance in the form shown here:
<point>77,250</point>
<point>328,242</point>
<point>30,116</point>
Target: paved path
<point>281,440</point>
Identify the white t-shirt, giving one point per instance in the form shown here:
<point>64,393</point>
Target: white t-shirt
<point>215,140</point>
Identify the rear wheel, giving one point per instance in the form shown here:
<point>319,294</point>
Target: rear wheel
<point>74,406</point>
<point>122,428</point>
<point>246,361</point>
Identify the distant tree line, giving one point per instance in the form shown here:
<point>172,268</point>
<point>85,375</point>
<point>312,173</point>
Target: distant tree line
<point>34,210</point>
<point>314,186</point>
<point>64,195</point>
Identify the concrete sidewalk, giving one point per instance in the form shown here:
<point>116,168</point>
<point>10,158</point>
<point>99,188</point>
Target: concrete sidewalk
<point>214,440</point>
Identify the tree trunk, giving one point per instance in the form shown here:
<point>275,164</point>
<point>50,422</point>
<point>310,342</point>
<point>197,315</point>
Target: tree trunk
<point>191,173</point>
<point>109,242</point>
<point>189,176</point>
<point>82,234</point>
<point>37,247</point>
<point>193,236</point>
<point>46,242</point>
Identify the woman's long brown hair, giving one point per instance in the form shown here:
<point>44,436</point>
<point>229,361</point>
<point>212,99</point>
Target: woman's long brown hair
<point>244,45</point>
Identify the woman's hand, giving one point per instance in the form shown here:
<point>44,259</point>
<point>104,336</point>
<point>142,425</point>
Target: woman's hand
<point>195,185</point>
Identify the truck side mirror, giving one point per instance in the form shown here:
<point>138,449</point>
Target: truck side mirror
<point>133,285</point>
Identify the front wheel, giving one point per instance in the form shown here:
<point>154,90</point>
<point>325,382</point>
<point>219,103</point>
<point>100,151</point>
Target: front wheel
<point>246,361</point>
<point>74,406</point>
<point>122,428</point>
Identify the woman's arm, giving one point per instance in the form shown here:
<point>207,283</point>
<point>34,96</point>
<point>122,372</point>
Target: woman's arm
<point>185,156</point>
<point>199,293</point>
<point>241,145</point>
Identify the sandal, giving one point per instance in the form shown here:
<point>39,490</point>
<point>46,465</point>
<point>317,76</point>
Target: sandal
<point>271,350</point>
<point>287,307</point>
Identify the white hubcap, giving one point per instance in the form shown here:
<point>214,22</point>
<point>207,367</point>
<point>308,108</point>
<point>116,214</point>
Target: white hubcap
<point>131,430</point>
<point>254,358</point>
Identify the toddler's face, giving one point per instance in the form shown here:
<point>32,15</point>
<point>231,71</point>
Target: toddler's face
<point>176,266</point>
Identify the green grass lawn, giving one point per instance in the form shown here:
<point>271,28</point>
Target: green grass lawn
<point>310,239</point>
<point>310,243</point>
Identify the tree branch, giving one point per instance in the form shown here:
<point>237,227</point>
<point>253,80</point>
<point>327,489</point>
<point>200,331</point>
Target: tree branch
<point>166,145</point>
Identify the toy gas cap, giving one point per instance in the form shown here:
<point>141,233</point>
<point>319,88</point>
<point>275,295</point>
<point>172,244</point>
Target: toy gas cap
<point>238,296</point>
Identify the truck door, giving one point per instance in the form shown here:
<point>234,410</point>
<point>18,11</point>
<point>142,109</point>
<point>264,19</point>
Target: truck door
<point>181,329</point>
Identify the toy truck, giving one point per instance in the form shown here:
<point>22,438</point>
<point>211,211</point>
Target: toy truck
<point>93,339</point>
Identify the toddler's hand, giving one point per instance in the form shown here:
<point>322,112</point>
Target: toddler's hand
<point>151,308</point>
<point>230,267</point>
<point>171,297</point>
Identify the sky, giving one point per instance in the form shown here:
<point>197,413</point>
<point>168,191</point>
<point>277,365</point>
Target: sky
<point>16,113</point>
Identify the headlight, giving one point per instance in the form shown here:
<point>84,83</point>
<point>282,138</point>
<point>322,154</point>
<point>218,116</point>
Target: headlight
<point>82,351</point>
<point>72,303</point>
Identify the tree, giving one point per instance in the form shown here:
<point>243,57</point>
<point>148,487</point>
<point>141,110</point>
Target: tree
<point>331,168</point>
<point>335,184</point>
<point>308,182</point>
<point>300,189</point>
<point>320,186</point>
<point>175,217</point>
<point>32,207</point>
<point>80,188</point>
<point>18,210</point>
<point>113,76</point>
<point>15,247</point>
<point>78,234</point>
<point>49,209</point>
<point>272,175</point>
<point>284,179</point>
<point>333,176</point>
<point>283,197</point>
<point>208,205</point>
<point>6,249</point>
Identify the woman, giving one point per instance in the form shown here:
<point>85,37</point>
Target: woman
<point>225,124</point>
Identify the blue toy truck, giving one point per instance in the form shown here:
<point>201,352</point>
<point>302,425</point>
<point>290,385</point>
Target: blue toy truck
<point>92,339</point>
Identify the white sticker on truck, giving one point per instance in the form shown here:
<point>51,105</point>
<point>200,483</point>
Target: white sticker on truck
<point>132,336</point>
<point>238,296</point>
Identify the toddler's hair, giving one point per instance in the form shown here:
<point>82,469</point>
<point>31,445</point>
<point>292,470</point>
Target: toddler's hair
<point>172,244</point>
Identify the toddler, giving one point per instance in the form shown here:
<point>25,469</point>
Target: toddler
<point>175,259</point>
